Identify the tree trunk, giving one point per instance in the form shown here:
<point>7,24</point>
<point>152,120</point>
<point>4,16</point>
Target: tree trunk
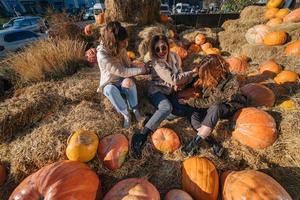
<point>132,11</point>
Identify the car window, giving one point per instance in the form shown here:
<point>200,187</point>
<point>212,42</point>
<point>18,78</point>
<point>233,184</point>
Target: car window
<point>34,20</point>
<point>17,36</point>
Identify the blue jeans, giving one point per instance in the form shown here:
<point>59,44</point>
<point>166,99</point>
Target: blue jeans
<point>114,93</point>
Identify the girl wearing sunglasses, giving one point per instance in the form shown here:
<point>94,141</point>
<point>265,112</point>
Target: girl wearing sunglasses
<point>117,70</point>
<point>166,74</point>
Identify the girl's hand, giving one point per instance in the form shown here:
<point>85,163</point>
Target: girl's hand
<point>138,63</point>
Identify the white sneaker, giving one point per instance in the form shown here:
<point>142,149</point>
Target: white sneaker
<point>137,115</point>
<point>127,122</point>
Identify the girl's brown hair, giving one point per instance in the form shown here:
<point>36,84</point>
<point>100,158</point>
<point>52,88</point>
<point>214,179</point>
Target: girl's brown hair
<point>154,41</point>
<point>113,33</point>
<point>212,70</point>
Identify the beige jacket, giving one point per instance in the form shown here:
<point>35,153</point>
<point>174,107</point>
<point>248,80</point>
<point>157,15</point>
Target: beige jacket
<point>114,68</point>
<point>167,75</point>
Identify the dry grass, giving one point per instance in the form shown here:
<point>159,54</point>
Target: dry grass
<point>48,59</point>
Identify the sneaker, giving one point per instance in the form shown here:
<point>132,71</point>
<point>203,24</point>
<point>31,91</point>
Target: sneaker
<point>218,150</point>
<point>138,115</point>
<point>127,122</point>
<point>193,148</point>
<point>137,142</point>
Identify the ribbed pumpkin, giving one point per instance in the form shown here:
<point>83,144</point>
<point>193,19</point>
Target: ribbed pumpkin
<point>275,38</point>
<point>286,76</point>
<point>2,175</point>
<point>165,140</point>
<point>293,49</point>
<point>91,56</point>
<point>237,65</point>
<point>254,185</point>
<point>200,178</point>
<point>194,48</point>
<point>258,94</point>
<point>288,105</point>
<point>88,29</point>
<point>180,51</point>
<point>213,51</point>
<point>274,22</point>
<point>164,18</point>
<point>176,194</point>
<point>254,128</point>
<point>293,16</point>
<point>171,34</point>
<point>282,13</point>
<point>271,13</point>
<point>133,188</point>
<point>100,18</point>
<point>206,46</point>
<point>82,146</point>
<point>275,3</point>
<point>270,66</point>
<point>256,34</point>
<point>63,180</point>
<point>200,39</point>
<point>113,150</point>
<point>131,55</point>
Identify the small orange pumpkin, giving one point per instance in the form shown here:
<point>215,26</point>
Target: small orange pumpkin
<point>91,56</point>
<point>171,34</point>
<point>254,128</point>
<point>274,22</point>
<point>286,77</point>
<point>180,51</point>
<point>131,55</point>
<point>282,13</point>
<point>251,184</point>
<point>113,150</point>
<point>275,38</point>
<point>275,3</point>
<point>200,39</point>
<point>177,194</point>
<point>165,140</point>
<point>256,34</point>
<point>200,178</point>
<point>270,66</point>
<point>194,48</point>
<point>133,188</point>
<point>293,49</point>
<point>100,18</point>
<point>237,64</point>
<point>2,175</point>
<point>258,94</point>
<point>271,13</point>
<point>82,146</point>
<point>293,16</point>
<point>88,29</point>
<point>206,46</point>
<point>164,18</point>
<point>213,51</point>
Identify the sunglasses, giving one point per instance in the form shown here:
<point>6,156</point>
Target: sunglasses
<point>162,48</point>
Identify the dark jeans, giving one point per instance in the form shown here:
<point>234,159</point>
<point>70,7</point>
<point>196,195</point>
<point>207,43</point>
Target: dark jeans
<point>168,104</point>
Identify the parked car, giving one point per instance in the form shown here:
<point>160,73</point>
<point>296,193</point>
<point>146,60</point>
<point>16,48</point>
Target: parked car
<point>165,10</point>
<point>11,21</point>
<point>182,8</point>
<point>12,40</point>
<point>89,14</point>
<point>35,24</point>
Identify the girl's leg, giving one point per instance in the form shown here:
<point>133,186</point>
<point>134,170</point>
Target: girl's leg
<point>114,95</point>
<point>128,87</point>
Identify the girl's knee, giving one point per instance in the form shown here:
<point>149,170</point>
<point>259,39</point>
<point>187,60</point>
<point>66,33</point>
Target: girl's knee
<point>166,108</point>
<point>110,89</point>
<point>127,83</point>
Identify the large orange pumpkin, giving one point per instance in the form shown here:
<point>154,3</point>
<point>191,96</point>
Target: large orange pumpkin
<point>133,188</point>
<point>165,140</point>
<point>63,180</point>
<point>237,64</point>
<point>270,66</point>
<point>293,16</point>
<point>274,22</point>
<point>180,51</point>
<point>164,18</point>
<point>256,34</point>
<point>88,29</point>
<point>82,146</point>
<point>194,48</point>
<point>113,150</point>
<point>2,175</point>
<point>275,38</point>
<point>206,46</point>
<point>254,128</point>
<point>200,39</point>
<point>271,13</point>
<point>282,13</point>
<point>91,56</point>
<point>254,185</point>
<point>100,18</point>
<point>293,49</point>
<point>176,194</point>
<point>200,178</point>
<point>275,3</point>
<point>213,51</point>
<point>286,76</point>
<point>258,94</point>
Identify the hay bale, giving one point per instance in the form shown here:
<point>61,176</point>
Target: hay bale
<point>140,12</point>
<point>188,36</point>
<point>232,42</point>
<point>253,15</point>
<point>293,29</point>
